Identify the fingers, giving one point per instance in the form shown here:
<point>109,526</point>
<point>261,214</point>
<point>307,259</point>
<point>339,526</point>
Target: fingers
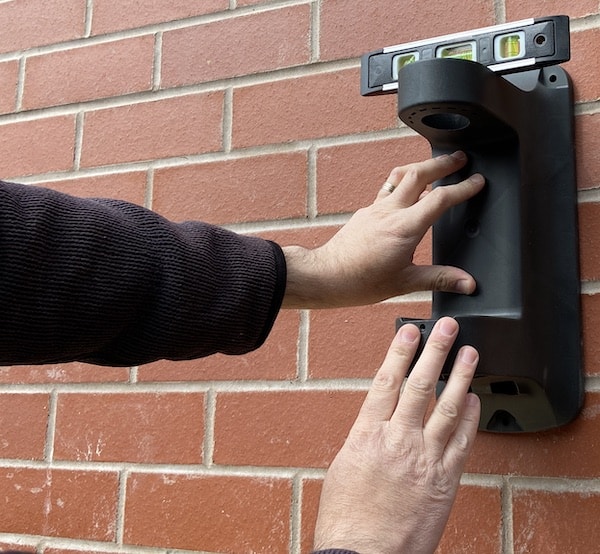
<point>382,398</point>
<point>443,278</point>
<point>420,385</point>
<point>448,412</point>
<point>440,199</point>
<point>411,180</point>
<point>461,441</point>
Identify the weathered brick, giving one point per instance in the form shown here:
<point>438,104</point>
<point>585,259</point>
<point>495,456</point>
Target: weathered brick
<point>59,503</point>
<point>353,27</point>
<point>9,75</point>
<point>555,522</point>
<point>587,146</point>
<point>322,105</point>
<point>350,176</point>
<point>311,494</point>
<point>585,75</point>
<point>152,130</point>
<point>21,547</point>
<point>589,235</point>
<point>590,317</point>
<point>208,513</point>
<point>246,189</point>
<point>88,73</point>
<point>31,23</point>
<point>134,427</point>
<point>75,372</point>
<point>116,15</point>
<point>130,186</point>
<point>569,451</point>
<point>37,146</point>
<point>243,45</point>
<point>517,9</point>
<point>23,423</point>
<point>303,428</point>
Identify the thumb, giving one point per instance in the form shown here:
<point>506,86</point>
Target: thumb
<point>443,278</point>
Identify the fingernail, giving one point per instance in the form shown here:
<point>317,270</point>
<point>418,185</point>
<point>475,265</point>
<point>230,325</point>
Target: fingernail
<point>477,179</point>
<point>463,286</point>
<point>409,334</point>
<point>472,399</point>
<point>459,155</point>
<point>468,355</point>
<point>447,327</point>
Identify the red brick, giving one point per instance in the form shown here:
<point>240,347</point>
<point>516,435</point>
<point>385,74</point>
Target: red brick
<point>37,146</point>
<point>30,23</point>
<point>275,360</point>
<point>590,317</point>
<point>247,189</point>
<point>587,145</point>
<point>308,237</point>
<point>353,27</point>
<point>316,106</point>
<point>88,73</point>
<point>133,427</point>
<point>23,422</point>
<point>130,187</point>
<point>311,495</point>
<point>217,514</point>
<point>517,9</point>
<point>352,342</point>
<point>147,131</point>
<point>585,75</point>
<point>589,233</point>
<point>9,75</point>
<point>239,46</point>
<point>300,428</point>
<point>475,523</point>
<point>241,3</point>
<point>570,451</point>
<point>350,176</point>
<point>555,522</point>
<point>116,15</point>
<point>21,547</point>
<point>75,372</point>
<point>59,503</point>
<point>78,551</point>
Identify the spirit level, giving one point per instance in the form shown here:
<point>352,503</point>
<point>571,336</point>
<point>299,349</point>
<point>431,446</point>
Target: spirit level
<point>506,48</point>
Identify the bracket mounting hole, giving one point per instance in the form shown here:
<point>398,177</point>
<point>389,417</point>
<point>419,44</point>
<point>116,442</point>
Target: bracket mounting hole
<point>446,121</point>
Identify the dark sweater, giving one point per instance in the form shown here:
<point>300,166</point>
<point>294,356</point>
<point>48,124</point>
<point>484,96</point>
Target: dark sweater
<point>111,283</point>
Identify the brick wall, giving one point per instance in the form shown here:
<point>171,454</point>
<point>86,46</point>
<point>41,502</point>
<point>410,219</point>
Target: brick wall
<point>247,113</point>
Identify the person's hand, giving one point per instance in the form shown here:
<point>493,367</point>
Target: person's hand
<point>391,487</point>
<point>370,258</point>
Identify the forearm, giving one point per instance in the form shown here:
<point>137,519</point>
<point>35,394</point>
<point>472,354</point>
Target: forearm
<point>112,283</point>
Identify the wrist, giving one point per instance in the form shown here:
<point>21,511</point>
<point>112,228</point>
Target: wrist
<point>307,285</point>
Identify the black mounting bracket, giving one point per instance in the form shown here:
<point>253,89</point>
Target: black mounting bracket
<point>518,237</point>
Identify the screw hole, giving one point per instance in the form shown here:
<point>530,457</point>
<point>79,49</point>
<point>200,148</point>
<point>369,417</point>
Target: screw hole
<point>472,228</point>
<point>540,40</point>
<point>553,78</point>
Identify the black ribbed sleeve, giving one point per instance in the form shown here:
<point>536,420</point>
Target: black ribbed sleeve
<point>111,283</point>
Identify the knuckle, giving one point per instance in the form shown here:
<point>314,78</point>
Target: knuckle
<point>419,387</point>
<point>442,281</point>
<point>448,409</point>
<point>385,381</point>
